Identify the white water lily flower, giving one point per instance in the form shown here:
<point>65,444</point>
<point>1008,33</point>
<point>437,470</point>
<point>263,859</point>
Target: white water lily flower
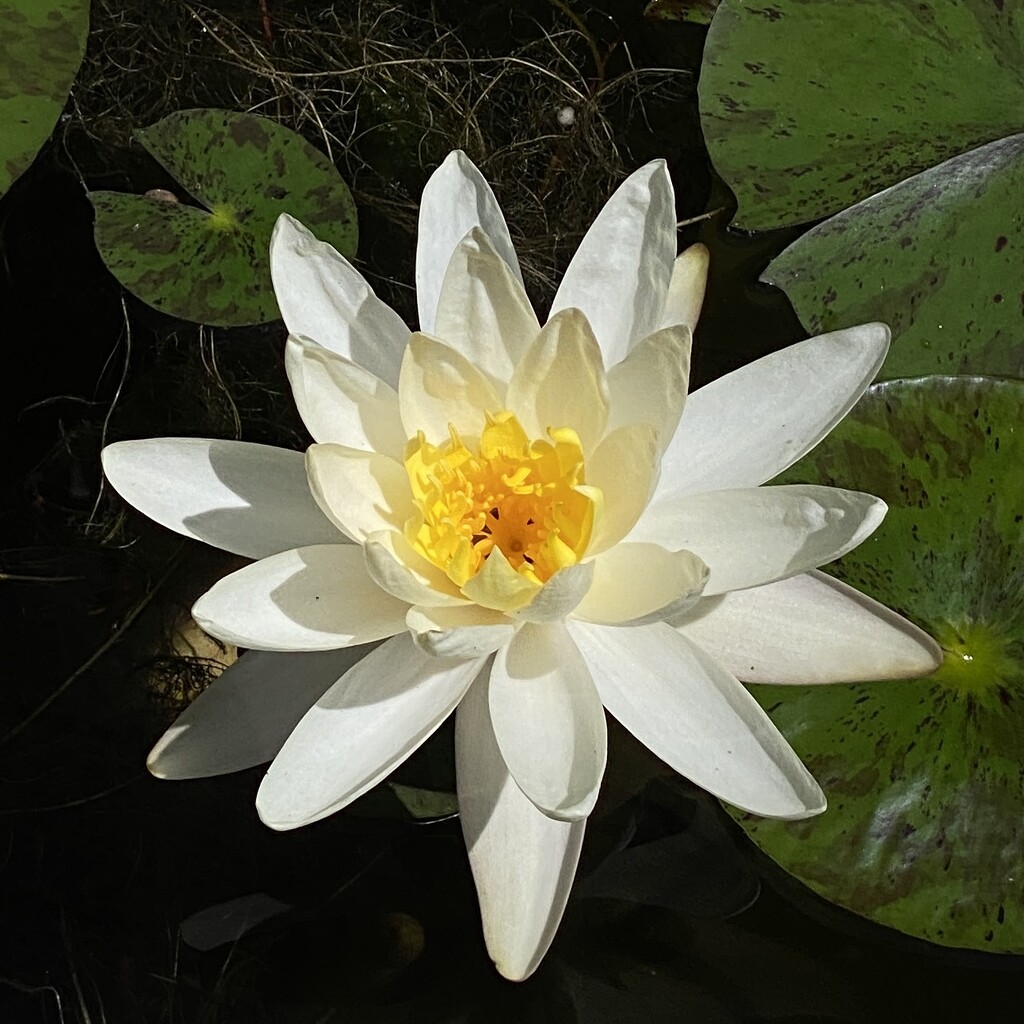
<point>541,528</point>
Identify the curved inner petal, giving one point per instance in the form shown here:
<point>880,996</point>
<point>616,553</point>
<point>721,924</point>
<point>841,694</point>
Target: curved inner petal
<point>649,385</point>
<point>561,379</point>
<point>483,312</point>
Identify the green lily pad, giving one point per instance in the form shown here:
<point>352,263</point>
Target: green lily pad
<point>925,826</point>
<point>41,48</point>
<point>210,264</point>
<point>938,257</point>
<point>811,105</point>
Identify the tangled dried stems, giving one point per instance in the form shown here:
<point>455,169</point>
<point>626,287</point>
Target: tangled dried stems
<point>386,90</point>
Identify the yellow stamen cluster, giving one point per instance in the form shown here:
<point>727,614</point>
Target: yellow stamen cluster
<point>525,498</point>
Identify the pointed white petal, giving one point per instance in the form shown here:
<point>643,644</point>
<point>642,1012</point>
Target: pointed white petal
<point>697,718</point>
<point>750,425</point>
<point>465,632</point>
<point>455,200</point>
<point>548,721</point>
<point>560,381</point>
<point>341,402</point>
<point>362,728</point>
<point>686,288</point>
<point>755,535</point>
<point>619,276</point>
<point>250,499</point>
<point>809,629</point>
<point>523,861</point>
<point>649,385</point>
<point>360,492</point>
<point>439,387</point>
<point>400,570</point>
<point>323,297</point>
<point>483,312</point>
<point>635,584</point>
<point>310,599</point>
<point>245,716</point>
<point>625,469</point>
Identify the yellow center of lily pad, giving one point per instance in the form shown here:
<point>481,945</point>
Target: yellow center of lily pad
<point>976,659</point>
<point>526,498</point>
<point>222,218</point>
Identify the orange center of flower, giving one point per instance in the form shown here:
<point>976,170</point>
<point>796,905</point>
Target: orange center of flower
<point>525,498</point>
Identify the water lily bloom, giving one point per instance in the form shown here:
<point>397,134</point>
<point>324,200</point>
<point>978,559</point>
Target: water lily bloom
<point>543,524</point>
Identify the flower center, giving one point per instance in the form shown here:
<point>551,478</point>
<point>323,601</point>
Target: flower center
<point>522,497</point>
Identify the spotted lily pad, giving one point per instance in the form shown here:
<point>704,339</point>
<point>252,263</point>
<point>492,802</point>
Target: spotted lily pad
<point>209,264</point>
<point>937,257</point>
<point>42,43</point>
<point>925,826</point>
<point>811,105</point>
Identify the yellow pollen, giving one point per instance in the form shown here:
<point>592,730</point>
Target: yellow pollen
<point>523,497</point>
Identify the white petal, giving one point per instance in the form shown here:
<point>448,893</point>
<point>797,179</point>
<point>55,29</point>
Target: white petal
<point>400,570</point>
<point>697,718</point>
<point>323,297</point>
<point>809,629</point>
<point>559,595</point>
<point>625,469</point>
<point>245,716</point>
<point>341,402</point>
<point>649,385</point>
<point>619,276</point>
<point>560,381</point>
<point>755,535</point>
<point>250,499</point>
<point>750,425</point>
<point>548,721</point>
<point>635,584</point>
<point>455,200</point>
<point>309,599</point>
<point>439,387</point>
<point>686,288</point>
<point>362,728</point>
<point>360,492</point>
<point>464,632</point>
<point>483,312</point>
<point>523,861</point>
